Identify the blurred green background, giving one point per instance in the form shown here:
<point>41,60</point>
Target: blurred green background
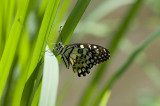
<point>127,28</point>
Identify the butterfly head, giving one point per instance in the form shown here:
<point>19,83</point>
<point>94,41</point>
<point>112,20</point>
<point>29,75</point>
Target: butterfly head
<point>59,47</point>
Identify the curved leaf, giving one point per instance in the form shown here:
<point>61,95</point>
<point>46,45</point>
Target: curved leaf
<point>49,81</point>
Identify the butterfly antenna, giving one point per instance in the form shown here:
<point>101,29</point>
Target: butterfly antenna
<point>60,32</point>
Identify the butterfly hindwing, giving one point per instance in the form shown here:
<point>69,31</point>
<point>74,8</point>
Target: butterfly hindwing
<point>84,56</point>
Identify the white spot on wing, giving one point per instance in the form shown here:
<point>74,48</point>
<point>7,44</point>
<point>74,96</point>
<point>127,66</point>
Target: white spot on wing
<point>81,46</point>
<point>104,50</point>
<point>94,46</point>
<point>89,46</point>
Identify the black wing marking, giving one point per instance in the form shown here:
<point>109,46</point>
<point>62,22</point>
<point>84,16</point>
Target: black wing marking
<point>85,56</point>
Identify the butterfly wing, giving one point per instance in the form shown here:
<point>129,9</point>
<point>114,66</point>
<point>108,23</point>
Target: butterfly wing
<point>85,56</point>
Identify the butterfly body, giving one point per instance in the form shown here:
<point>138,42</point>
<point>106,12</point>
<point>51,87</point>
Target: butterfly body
<point>82,56</point>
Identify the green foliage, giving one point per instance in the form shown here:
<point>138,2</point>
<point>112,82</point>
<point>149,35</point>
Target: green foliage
<point>12,43</point>
<point>27,76</point>
<point>26,90</point>
<point>105,98</point>
<point>73,20</point>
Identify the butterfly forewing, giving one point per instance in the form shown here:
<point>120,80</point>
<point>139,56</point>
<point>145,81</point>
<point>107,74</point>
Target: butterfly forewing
<point>83,57</point>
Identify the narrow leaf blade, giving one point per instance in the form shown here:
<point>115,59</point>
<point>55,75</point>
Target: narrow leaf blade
<point>49,80</point>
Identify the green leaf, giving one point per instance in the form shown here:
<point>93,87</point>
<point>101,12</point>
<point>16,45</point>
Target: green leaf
<point>61,14</point>
<point>1,35</point>
<point>105,98</point>
<point>29,86</point>
<point>44,32</point>
<point>46,25</point>
<point>12,43</point>
<point>73,20</point>
<point>9,15</point>
<point>36,96</point>
<point>49,80</point>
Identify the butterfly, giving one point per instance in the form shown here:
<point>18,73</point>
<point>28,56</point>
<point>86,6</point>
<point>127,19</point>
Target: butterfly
<point>82,56</point>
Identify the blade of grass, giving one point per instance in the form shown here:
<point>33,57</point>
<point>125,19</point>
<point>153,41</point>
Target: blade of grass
<point>151,70</point>
<point>37,84</point>
<point>105,98</point>
<point>49,81</point>
<point>9,15</point>
<point>26,96</point>
<point>42,8</point>
<point>73,20</point>
<point>9,86</point>
<point>24,54</point>
<point>1,35</point>
<point>114,44</point>
<point>12,43</point>
<point>43,34</point>
<point>153,73</point>
<point>37,53</point>
<point>23,60</point>
<point>5,17</point>
<point>122,69</point>
<point>63,9</point>
<point>37,95</point>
